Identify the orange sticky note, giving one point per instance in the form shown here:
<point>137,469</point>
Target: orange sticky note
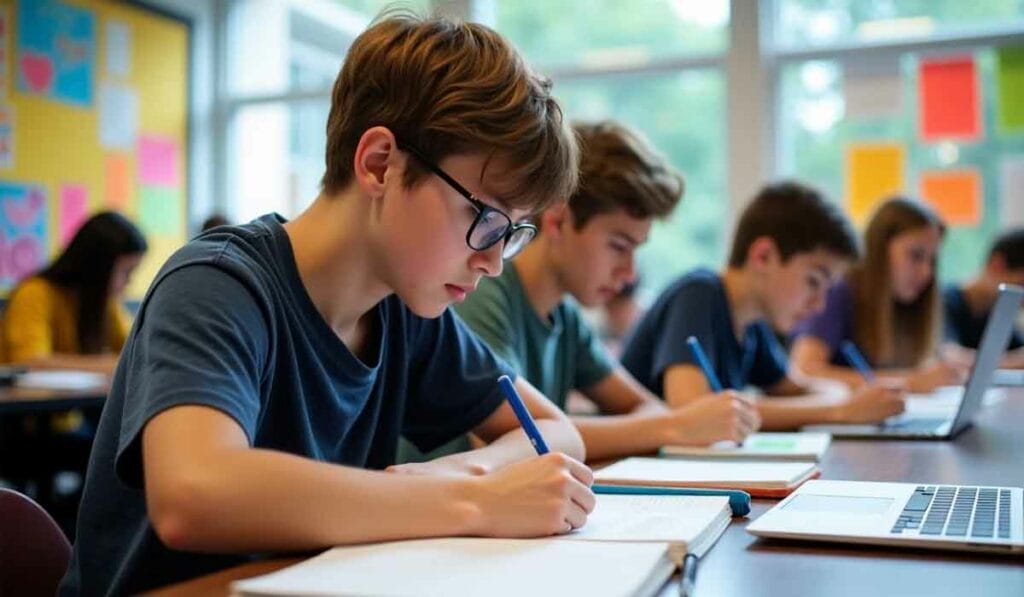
<point>874,172</point>
<point>955,194</point>
<point>119,182</point>
<point>949,100</point>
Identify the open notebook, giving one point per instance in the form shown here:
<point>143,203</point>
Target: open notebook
<point>630,546</point>
<point>799,447</point>
<point>759,479</point>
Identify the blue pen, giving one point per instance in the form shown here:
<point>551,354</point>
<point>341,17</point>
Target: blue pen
<point>855,358</point>
<point>523,415</point>
<point>705,364</point>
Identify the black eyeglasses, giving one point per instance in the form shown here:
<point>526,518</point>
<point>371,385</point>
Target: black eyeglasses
<point>491,225</point>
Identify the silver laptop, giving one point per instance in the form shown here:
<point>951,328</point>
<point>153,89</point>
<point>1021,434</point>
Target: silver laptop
<point>912,425</point>
<point>958,517</point>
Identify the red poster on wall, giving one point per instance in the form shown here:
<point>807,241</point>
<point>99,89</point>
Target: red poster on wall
<point>949,103</point>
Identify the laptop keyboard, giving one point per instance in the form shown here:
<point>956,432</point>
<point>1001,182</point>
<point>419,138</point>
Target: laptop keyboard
<point>974,512</point>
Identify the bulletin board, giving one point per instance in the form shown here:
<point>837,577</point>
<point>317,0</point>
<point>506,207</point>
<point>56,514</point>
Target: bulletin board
<point>93,116</point>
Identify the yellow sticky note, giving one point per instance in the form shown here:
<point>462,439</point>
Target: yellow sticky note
<point>955,195</point>
<point>874,172</point>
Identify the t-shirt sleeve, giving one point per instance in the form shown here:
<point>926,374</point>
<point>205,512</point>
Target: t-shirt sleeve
<point>593,362</point>
<point>770,361</point>
<point>690,313</point>
<point>830,326</point>
<point>27,329</point>
<point>488,313</point>
<point>453,382</point>
<point>201,339</point>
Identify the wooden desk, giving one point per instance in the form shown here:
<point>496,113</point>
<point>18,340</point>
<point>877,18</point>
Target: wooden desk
<point>992,453</point>
<point>14,400</point>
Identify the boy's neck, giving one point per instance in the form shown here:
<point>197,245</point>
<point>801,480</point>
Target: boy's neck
<point>539,277</point>
<point>980,294</point>
<point>336,262</point>
<point>744,304</point>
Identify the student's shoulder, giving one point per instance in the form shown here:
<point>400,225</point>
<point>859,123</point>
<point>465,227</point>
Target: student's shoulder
<point>700,286</point>
<point>34,288</point>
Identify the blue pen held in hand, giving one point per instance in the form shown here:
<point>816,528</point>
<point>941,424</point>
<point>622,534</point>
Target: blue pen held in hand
<point>855,358</point>
<point>705,364</point>
<point>523,415</point>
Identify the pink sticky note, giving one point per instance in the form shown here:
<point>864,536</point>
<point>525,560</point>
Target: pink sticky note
<point>73,211</point>
<point>158,161</point>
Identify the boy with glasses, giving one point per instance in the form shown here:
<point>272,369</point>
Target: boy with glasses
<point>273,365</point>
<point>530,314</point>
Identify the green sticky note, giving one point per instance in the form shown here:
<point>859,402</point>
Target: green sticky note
<point>1010,85</point>
<point>161,210</point>
<point>773,444</point>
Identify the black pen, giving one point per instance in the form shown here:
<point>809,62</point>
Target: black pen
<point>688,575</point>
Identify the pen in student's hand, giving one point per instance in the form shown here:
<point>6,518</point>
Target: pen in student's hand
<point>704,363</point>
<point>855,358</point>
<point>688,575</point>
<point>523,415</point>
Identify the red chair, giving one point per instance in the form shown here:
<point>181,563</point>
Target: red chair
<point>34,553</point>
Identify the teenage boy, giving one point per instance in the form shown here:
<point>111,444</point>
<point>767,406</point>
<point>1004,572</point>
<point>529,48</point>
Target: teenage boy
<point>273,366</point>
<point>790,246</point>
<point>966,308</point>
<point>584,254</point>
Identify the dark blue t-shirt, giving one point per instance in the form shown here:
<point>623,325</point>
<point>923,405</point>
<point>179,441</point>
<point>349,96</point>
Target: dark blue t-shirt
<point>228,324</point>
<point>963,326</point>
<point>696,305</point>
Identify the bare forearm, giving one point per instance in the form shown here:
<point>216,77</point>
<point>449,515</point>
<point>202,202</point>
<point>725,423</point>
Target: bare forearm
<point>615,436</point>
<point>781,414</point>
<point>515,446</point>
<point>250,500</point>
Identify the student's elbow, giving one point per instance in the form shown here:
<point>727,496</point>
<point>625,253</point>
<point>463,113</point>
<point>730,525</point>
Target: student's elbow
<point>179,513</point>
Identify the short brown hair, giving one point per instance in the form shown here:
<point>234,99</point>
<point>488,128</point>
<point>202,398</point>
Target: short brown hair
<point>620,170</point>
<point>450,88</point>
<point>798,219</point>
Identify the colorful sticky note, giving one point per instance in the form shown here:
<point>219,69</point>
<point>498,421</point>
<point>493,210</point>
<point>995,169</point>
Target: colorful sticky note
<point>74,209</point>
<point>872,88</point>
<point>22,231</point>
<point>119,116</point>
<point>1011,191</point>
<point>118,182</point>
<point>161,211</point>
<point>1010,87</point>
<point>874,172</point>
<point>949,106</point>
<point>118,48</point>
<point>955,194</point>
<point>158,161</point>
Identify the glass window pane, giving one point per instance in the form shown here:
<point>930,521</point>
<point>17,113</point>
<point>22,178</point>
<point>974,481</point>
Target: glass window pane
<point>571,33</point>
<point>683,115</point>
<point>801,23</point>
<point>276,46</point>
<point>277,158</point>
<point>815,131</point>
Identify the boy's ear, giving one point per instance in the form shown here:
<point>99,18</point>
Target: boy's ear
<point>553,219</point>
<point>763,251</point>
<point>375,154</point>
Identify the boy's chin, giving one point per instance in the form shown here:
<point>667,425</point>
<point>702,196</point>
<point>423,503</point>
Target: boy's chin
<point>426,308</point>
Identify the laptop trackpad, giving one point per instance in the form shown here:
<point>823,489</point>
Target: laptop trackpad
<point>840,504</point>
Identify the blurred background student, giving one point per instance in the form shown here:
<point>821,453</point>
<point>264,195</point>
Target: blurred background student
<point>966,307</point>
<point>70,315</point>
<point>888,305</point>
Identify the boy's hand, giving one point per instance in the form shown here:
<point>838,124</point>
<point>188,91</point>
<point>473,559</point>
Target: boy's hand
<point>941,373</point>
<point>871,404</point>
<point>460,464</point>
<point>727,415</point>
<point>543,496</point>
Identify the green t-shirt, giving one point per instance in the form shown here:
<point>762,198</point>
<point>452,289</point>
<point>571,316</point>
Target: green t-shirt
<point>555,355</point>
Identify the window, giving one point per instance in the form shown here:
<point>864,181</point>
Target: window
<point>818,120</point>
<point>654,66</point>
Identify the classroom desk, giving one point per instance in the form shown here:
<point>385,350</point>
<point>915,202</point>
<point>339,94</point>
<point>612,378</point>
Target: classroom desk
<point>992,452</point>
<point>14,400</point>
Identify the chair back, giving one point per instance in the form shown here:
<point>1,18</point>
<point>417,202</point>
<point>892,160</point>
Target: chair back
<point>34,553</point>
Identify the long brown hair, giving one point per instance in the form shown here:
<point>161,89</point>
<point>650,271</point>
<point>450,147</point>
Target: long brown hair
<point>893,334</point>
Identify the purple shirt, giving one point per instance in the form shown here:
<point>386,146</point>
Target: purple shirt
<point>834,324</point>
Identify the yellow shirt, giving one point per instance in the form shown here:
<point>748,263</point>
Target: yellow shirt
<point>41,320</point>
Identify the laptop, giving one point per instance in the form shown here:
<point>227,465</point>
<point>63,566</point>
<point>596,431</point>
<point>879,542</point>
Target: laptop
<point>911,425</point>
<point>955,517</point>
